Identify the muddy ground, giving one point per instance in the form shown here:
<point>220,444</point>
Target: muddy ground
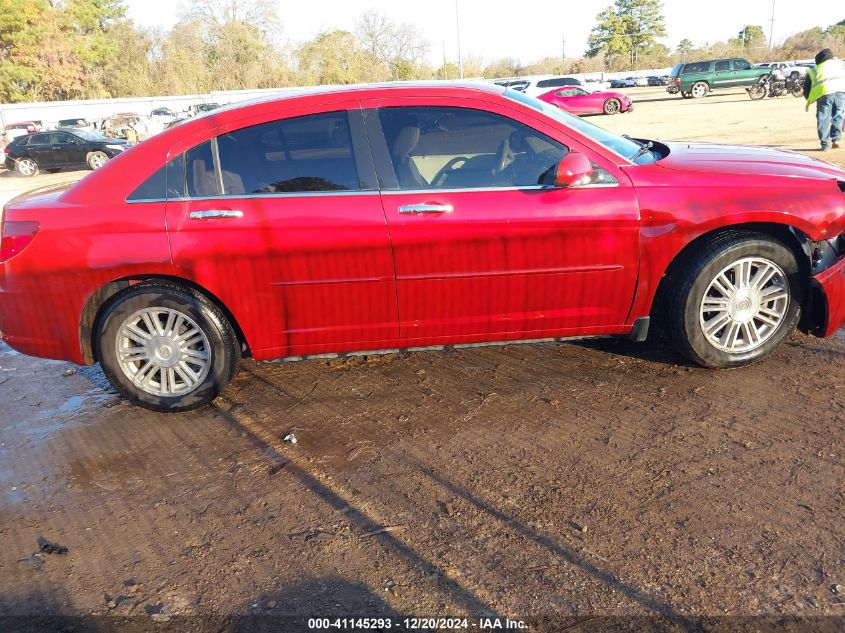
<point>576,481</point>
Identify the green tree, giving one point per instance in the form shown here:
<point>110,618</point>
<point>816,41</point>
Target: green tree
<point>628,28</point>
<point>750,38</point>
<point>685,47</point>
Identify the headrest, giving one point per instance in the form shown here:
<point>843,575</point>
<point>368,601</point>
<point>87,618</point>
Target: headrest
<point>406,141</point>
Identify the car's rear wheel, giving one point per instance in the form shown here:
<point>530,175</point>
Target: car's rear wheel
<point>97,159</point>
<point>735,301</point>
<point>699,90</point>
<point>612,106</point>
<point>166,348</point>
<point>26,167</point>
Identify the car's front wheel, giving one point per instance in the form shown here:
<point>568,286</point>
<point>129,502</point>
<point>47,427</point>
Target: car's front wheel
<point>26,167</point>
<point>736,300</point>
<point>97,159</point>
<point>166,348</point>
<point>612,106</point>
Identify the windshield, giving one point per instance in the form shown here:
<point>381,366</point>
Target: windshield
<point>90,136</point>
<point>626,148</point>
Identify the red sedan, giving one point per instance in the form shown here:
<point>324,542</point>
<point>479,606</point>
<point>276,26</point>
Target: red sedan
<point>578,101</point>
<point>378,218</point>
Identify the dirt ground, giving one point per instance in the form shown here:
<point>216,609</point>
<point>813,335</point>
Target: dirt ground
<point>572,485</point>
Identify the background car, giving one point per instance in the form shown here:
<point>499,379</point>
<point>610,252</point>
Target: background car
<point>578,101</point>
<point>791,70</point>
<point>14,130</point>
<point>658,80</point>
<point>61,148</point>
<point>617,83</point>
<point>696,79</point>
<point>538,85</point>
<point>73,124</point>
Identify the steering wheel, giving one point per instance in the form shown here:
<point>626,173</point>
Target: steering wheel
<point>504,157</point>
<point>448,167</point>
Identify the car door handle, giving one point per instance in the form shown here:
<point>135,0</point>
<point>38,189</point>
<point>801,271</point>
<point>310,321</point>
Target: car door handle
<point>426,208</point>
<point>214,214</point>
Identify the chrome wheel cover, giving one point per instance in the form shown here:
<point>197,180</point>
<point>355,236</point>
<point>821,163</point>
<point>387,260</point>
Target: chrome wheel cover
<point>744,305</point>
<point>163,352</point>
<point>698,90</point>
<point>27,166</point>
<point>98,160</point>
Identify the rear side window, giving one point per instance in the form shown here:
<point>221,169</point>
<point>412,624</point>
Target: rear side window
<point>741,64</point>
<point>39,139</point>
<point>723,65</point>
<point>167,182</point>
<point>300,154</point>
<point>696,67</point>
<point>201,176</point>
<point>558,81</point>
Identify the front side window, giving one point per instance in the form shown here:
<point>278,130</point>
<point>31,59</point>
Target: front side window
<point>300,154</point>
<point>462,148</point>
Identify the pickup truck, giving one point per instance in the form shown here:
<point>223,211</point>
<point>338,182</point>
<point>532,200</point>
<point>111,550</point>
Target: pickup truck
<point>787,69</point>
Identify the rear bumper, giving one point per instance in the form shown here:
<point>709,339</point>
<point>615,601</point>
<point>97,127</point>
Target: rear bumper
<point>829,299</point>
<point>673,90</point>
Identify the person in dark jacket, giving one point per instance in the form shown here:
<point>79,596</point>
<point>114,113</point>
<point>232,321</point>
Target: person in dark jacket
<point>825,86</point>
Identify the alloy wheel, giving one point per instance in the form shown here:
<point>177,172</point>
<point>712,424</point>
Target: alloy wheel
<point>27,167</point>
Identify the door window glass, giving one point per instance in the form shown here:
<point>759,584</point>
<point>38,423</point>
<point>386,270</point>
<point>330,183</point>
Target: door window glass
<point>723,65</point>
<point>462,148</point>
<point>307,153</point>
<point>39,139</point>
<point>201,175</point>
<point>741,64</point>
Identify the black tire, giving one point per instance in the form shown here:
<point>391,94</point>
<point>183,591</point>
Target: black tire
<point>757,92</point>
<point>612,106</point>
<point>688,288</point>
<point>686,95</point>
<point>797,90</point>
<point>224,348</point>
<point>699,90</point>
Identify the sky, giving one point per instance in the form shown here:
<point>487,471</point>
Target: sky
<point>526,29</point>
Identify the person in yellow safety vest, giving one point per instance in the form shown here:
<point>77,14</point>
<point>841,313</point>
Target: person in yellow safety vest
<point>825,86</point>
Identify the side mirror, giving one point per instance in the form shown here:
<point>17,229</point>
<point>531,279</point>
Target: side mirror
<point>573,169</point>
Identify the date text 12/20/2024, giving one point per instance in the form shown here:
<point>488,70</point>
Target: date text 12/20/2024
<point>415,624</point>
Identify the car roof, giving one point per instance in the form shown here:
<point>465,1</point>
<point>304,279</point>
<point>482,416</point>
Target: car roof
<point>422,88</point>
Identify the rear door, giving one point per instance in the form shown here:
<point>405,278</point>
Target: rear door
<point>484,249</point>
<point>282,220</point>
<point>40,149</point>
<point>722,74</point>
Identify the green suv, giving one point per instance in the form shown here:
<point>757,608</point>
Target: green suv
<point>696,79</point>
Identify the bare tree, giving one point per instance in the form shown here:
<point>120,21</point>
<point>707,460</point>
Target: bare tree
<point>397,46</point>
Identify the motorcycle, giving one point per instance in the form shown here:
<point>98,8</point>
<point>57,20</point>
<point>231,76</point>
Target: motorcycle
<point>776,85</point>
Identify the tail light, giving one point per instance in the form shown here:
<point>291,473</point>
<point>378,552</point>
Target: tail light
<point>15,237</point>
<point>7,151</point>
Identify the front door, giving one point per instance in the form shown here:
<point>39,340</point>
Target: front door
<point>484,248</point>
<point>282,220</point>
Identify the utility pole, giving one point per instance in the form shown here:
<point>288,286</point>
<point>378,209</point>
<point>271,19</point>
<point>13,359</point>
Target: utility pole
<point>445,71</point>
<point>772,26</point>
<point>563,50</point>
<point>458,23</point>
